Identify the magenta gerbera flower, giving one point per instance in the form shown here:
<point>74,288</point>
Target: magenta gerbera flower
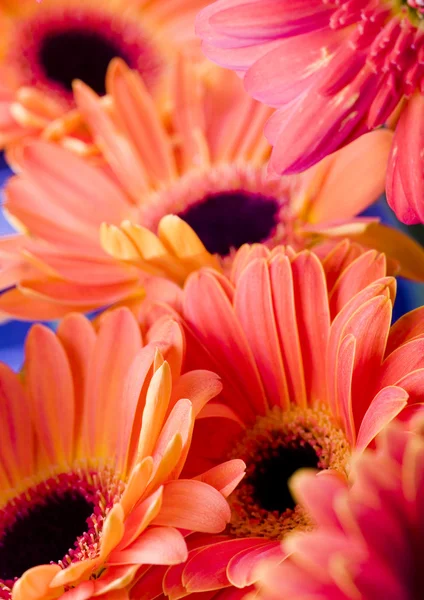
<point>335,69</point>
<point>370,539</point>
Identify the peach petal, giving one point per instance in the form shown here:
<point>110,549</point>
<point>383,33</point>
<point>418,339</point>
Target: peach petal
<point>199,386</point>
<point>168,463</point>
<point>137,484</point>
<point>139,116</point>
<point>194,505</point>
<point>113,531</point>
<point>17,451</point>
<point>74,572</point>
<point>83,591</point>
<point>140,517</point>
<point>117,150</point>
<point>357,174</point>
<point>117,343</point>
<point>78,339</point>
<point>260,328</point>
<point>157,546</point>
<point>397,246</point>
<point>52,398</point>
<point>225,477</point>
<point>157,402</point>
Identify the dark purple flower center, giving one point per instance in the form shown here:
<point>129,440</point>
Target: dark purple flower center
<point>272,472</point>
<point>227,220</point>
<point>78,54</point>
<point>43,531</point>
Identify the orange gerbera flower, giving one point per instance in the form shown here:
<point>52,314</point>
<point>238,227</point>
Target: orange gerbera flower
<point>94,437</point>
<point>47,44</point>
<point>311,370</point>
<point>184,192</point>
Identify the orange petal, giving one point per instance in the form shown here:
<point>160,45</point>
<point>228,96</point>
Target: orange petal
<point>397,246</point>
<point>35,583</point>
<point>357,174</point>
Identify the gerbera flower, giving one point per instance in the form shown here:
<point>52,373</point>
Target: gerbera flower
<point>335,70</point>
<point>47,44</point>
<point>372,534</point>
<point>94,437</point>
<point>207,167</point>
<point>311,371</point>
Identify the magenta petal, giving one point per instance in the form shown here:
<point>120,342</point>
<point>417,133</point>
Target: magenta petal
<point>405,178</point>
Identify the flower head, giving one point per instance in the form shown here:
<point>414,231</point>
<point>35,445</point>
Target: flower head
<point>335,70</point>
<point>372,533</point>
<point>48,44</point>
<point>311,372</point>
<point>94,438</point>
<point>93,238</point>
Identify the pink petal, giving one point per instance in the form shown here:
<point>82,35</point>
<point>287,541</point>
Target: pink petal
<point>285,315</point>
<point>228,344</point>
<point>313,319</point>
<point>207,570</point>
<point>405,189</point>
<point>388,403</point>
<point>242,568</point>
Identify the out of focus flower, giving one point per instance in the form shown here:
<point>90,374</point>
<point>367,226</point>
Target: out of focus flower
<point>94,437</point>
<point>370,539</point>
<point>335,70</point>
<point>46,44</point>
<point>177,193</point>
<point>311,371</point>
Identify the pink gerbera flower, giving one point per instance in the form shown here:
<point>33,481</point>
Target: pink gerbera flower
<point>46,44</point>
<point>178,192</point>
<point>311,372</point>
<point>370,538</point>
<point>94,435</point>
<point>335,69</point>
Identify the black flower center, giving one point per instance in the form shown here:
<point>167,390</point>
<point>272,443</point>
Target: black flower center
<point>75,54</point>
<point>43,533</point>
<point>227,220</point>
<point>269,480</point>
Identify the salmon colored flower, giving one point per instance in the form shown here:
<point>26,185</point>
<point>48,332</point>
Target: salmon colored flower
<point>95,433</point>
<point>335,70</point>
<point>185,192</point>
<point>370,539</point>
<point>311,371</point>
<point>46,44</point>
